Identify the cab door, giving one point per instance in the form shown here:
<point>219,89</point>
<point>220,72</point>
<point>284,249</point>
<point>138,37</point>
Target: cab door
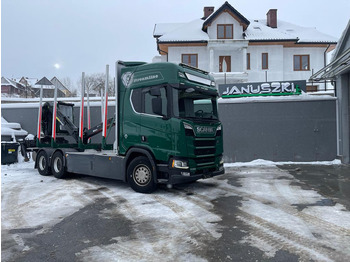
<point>156,132</point>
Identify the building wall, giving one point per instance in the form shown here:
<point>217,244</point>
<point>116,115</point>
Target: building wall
<point>175,55</point>
<point>316,61</point>
<point>280,60</point>
<point>8,89</point>
<point>225,18</point>
<point>280,57</point>
<point>275,63</point>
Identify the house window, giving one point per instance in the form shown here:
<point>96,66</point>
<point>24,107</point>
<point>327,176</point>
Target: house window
<point>265,61</point>
<point>190,59</point>
<point>301,62</point>
<point>225,31</point>
<point>248,61</point>
<point>311,88</point>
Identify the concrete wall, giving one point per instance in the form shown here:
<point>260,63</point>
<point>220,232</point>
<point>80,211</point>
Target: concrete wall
<point>279,130</point>
<point>275,129</point>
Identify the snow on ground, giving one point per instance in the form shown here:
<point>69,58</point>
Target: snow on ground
<point>272,197</point>
<point>33,201</point>
<point>169,226</point>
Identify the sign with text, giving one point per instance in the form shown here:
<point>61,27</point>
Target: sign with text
<point>276,88</point>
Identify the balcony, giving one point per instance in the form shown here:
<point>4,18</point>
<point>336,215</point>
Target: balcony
<point>230,77</point>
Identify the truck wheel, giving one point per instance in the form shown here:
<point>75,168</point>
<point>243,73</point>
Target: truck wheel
<point>140,175</point>
<point>57,165</point>
<point>43,164</point>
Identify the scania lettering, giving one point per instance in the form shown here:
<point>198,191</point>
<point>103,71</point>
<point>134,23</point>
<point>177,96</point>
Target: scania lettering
<point>166,129</point>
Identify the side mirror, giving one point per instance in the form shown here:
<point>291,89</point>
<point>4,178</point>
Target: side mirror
<point>157,105</point>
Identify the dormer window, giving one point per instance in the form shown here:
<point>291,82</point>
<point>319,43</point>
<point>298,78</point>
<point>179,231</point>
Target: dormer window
<point>225,31</point>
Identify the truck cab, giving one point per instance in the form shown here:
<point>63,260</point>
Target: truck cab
<point>171,112</point>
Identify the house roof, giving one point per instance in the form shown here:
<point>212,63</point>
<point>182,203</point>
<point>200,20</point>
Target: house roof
<point>259,31</point>
<point>8,81</point>
<point>58,83</point>
<point>226,7</point>
<point>30,81</point>
<point>5,81</point>
<point>44,81</point>
<point>161,29</point>
<point>254,30</point>
<point>183,32</point>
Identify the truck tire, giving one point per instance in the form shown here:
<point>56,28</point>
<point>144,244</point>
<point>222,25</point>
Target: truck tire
<point>43,163</point>
<point>140,176</point>
<point>57,165</point>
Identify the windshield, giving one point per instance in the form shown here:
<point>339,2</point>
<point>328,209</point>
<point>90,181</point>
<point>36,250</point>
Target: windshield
<point>189,103</point>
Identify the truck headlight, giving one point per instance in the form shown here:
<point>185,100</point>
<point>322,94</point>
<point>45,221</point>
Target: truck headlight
<point>219,130</point>
<point>221,160</point>
<point>188,129</point>
<point>182,164</point>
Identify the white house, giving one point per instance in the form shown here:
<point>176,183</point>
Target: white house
<point>235,49</point>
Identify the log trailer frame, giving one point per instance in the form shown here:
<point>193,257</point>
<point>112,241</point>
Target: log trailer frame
<point>166,124</point>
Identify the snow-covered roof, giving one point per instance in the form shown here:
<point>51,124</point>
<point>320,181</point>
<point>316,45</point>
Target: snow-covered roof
<point>183,32</point>
<point>226,7</point>
<point>163,28</point>
<point>7,81</point>
<point>58,83</point>
<point>259,31</point>
<point>30,80</point>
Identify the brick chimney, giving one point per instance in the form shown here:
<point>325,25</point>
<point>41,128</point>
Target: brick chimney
<point>272,18</point>
<point>208,10</point>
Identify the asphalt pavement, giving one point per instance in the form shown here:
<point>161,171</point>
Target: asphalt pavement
<point>252,213</point>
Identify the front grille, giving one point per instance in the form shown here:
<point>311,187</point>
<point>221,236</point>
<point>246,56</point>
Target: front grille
<point>204,151</point>
<point>199,143</point>
<point>205,161</point>
<point>204,146</point>
<point>205,171</point>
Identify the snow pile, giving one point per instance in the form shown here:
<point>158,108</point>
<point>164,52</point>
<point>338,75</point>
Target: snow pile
<point>11,129</point>
<point>302,97</point>
<point>262,163</point>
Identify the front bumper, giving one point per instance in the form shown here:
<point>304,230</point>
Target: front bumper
<point>176,176</point>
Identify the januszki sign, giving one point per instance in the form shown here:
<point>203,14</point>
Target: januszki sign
<point>262,89</point>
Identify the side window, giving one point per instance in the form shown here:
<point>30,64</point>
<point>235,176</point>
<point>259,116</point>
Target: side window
<point>148,103</point>
<point>142,98</point>
<point>136,100</point>
<point>149,97</point>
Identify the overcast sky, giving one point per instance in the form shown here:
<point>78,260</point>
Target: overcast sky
<point>85,35</point>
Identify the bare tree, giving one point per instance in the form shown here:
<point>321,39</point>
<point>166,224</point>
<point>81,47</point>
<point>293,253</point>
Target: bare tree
<point>67,82</point>
<point>95,84</point>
